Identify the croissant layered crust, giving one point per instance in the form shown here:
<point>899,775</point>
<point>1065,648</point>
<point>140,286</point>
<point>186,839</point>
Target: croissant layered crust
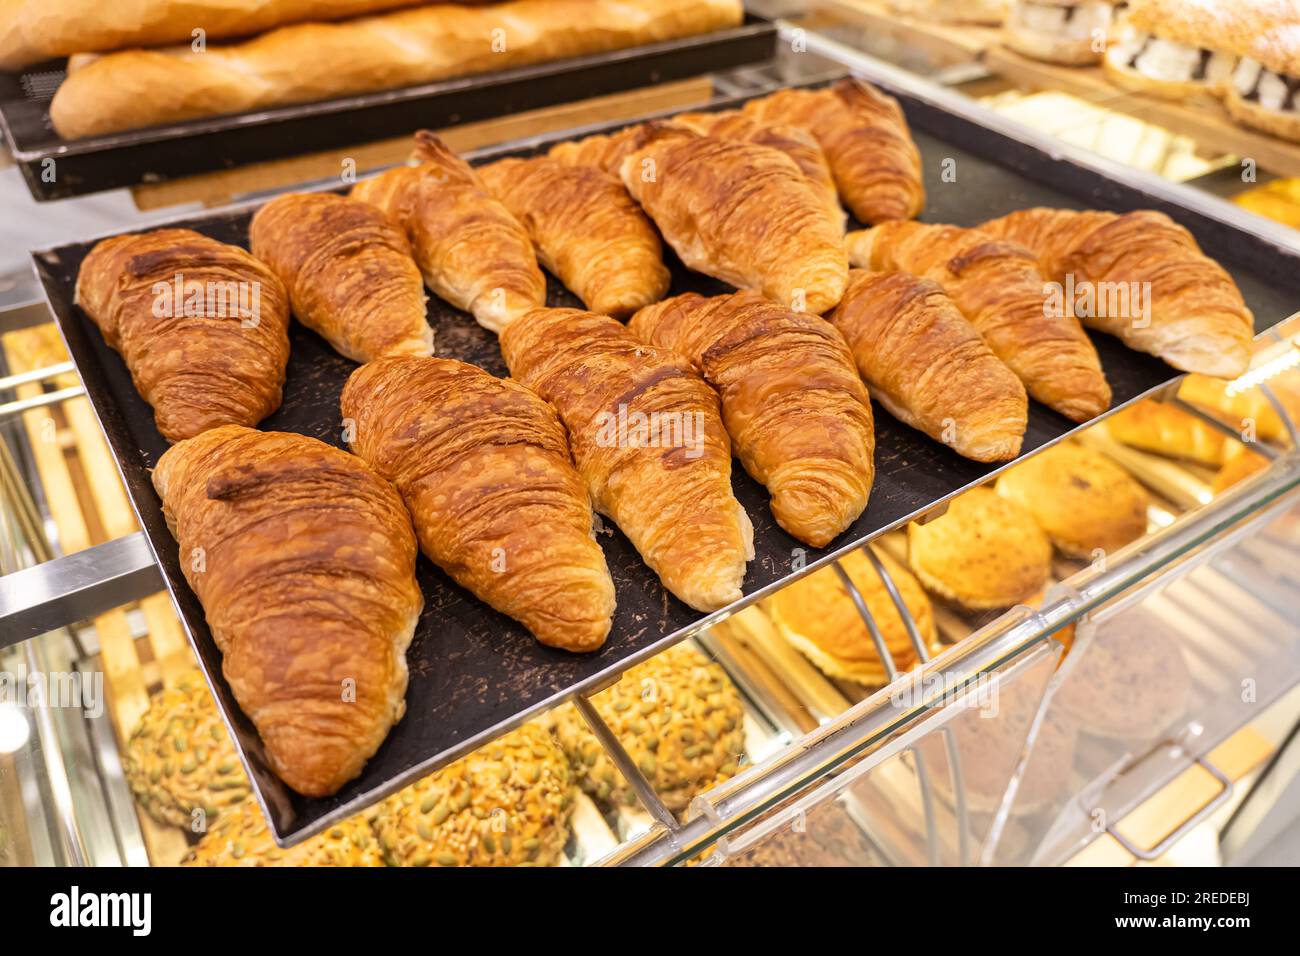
<point>604,151</point>
<point>1192,315</point>
<point>201,325</point>
<point>587,230</point>
<point>929,367</point>
<point>998,288</point>
<point>349,273</point>
<point>648,438</point>
<point>742,213</point>
<point>792,402</point>
<point>484,467</point>
<point>469,248</point>
<point>304,561</point>
<point>865,137</point>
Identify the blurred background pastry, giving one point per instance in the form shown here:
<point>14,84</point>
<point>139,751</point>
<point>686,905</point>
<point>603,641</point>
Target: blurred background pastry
<point>180,758</point>
<point>818,617</point>
<point>241,838</point>
<point>1072,32</point>
<point>1175,48</point>
<point>506,804</point>
<point>1083,500</point>
<point>1264,92</point>
<point>989,12</point>
<point>677,715</point>
<point>1167,430</point>
<point>825,836</point>
<point>984,553</point>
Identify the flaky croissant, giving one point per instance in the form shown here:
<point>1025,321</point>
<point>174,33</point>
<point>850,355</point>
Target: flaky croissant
<point>739,212</point>
<point>865,137</point>
<point>791,400</point>
<point>998,288</point>
<point>1193,317</point>
<point>349,273</point>
<point>604,151</point>
<point>304,561</point>
<point>929,367</point>
<point>469,248</point>
<point>798,144</point>
<point>648,439</point>
<point>484,467</point>
<point>587,230</point>
<point>202,326</point>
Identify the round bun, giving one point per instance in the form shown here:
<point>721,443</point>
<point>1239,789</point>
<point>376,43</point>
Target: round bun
<point>985,553</point>
<point>241,838</point>
<point>1131,684</point>
<point>817,616</point>
<point>1083,500</point>
<point>180,758</point>
<point>506,804</point>
<point>1283,125</point>
<point>677,715</point>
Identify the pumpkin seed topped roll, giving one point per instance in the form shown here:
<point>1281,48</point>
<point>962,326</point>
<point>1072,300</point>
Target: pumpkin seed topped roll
<point>242,838</point>
<point>506,804</point>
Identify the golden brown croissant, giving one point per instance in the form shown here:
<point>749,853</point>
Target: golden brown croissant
<point>798,144</point>
<point>471,251</point>
<point>349,273</point>
<point>304,561</point>
<point>865,137</point>
<point>791,400</point>
<point>998,288</point>
<point>604,151</point>
<point>741,213</point>
<point>1193,317</point>
<point>484,467</point>
<point>588,231</point>
<point>649,441</point>
<point>929,367</point>
<point>202,326</point>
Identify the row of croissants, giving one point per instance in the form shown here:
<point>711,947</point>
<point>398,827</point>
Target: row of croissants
<point>945,325</point>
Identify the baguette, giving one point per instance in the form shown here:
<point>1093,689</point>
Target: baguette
<point>317,61</point>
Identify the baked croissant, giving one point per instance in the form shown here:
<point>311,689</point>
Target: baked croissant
<point>349,273</point>
<point>304,561</point>
<point>648,439</point>
<point>865,137</point>
<point>791,400</point>
<point>1193,317</point>
<point>588,231</point>
<point>484,467</point>
<point>798,144</point>
<point>202,326</point>
<point>998,288</point>
<point>739,212</point>
<point>471,251</point>
<point>929,367</point>
<point>605,151</point>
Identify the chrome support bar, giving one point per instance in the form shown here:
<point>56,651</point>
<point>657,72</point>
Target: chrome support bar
<point>11,409</point>
<point>626,765</point>
<point>36,375</point>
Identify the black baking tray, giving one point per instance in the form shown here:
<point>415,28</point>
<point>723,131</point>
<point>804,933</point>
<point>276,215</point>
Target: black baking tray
<point>475,673</point>
<point>55,168</point>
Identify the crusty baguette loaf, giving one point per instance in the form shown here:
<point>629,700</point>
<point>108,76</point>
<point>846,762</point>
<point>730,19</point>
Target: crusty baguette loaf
<point>316,61</point>
<point>34,30</point>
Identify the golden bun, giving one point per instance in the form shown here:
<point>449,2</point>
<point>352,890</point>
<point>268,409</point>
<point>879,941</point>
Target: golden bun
<point>985,553</point>
<point>1167,430</point>
<point>1083,500</point>
<point>817,616</point>
<point>241,838</point>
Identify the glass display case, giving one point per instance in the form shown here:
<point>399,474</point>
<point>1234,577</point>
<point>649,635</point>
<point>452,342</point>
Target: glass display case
<point>1140,691</point>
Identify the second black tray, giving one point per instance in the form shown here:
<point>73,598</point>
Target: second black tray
<point>476,674</point>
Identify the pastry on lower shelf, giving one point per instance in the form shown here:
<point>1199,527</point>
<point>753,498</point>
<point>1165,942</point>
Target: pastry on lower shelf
<point>677,715</point>
<point>506,804</point>
<point>1132,683</point>
<point>1177,49</point>
<point>817,615</point>
<point>827,836</point>
<point>1167,430</point>
<point>1083,500</point>
<point>987,12</point>
<point>1072,32</point>
<point>180,759</point>
<point>985,553</point>
<point>1238,464</point>
<point>1248,411</point>
<point>241,838</point>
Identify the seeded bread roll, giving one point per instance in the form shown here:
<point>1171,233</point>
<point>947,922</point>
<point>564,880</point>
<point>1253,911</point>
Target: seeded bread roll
<point>506,804</point>
<point>985,553</point>
<point>180,759</point>
<point>679,718</point>
<point>817,615</point>
<point>1083,500</point>
<point>241,838</point>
